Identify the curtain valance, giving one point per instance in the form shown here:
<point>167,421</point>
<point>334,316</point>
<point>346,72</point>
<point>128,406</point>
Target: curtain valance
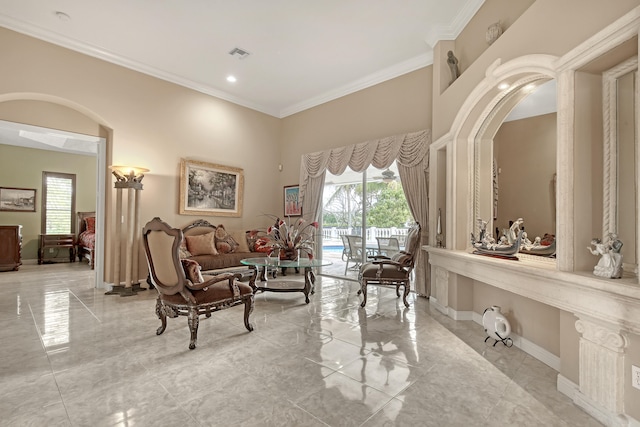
<point>408,150</point>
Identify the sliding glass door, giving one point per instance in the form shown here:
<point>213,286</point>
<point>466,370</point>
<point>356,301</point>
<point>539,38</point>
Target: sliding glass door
<point>364,214</point>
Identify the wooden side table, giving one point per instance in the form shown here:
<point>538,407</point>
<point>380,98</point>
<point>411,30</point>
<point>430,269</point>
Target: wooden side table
<point>56,241</point>
<point>10,247</point>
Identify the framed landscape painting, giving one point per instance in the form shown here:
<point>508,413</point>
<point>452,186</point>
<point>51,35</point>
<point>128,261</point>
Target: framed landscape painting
<point>17,199</point>
<point>210,189</point>
<point>292,206</point>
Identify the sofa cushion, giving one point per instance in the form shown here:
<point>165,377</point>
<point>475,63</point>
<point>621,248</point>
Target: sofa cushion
<point>202,244</point>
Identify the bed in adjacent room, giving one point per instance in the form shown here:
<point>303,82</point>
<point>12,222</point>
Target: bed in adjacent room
<point>86,241</point>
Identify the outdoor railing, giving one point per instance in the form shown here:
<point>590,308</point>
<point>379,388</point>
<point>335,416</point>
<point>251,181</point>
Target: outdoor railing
<point>334,233</point>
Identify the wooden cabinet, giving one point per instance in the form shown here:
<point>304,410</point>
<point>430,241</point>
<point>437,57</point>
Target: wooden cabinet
<point>10,247</point>
<point>52,243</point>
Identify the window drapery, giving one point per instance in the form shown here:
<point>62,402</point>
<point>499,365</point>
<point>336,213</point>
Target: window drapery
<point>411,153</point>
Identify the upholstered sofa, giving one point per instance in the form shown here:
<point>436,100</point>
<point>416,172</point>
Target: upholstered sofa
<point>219,250</point>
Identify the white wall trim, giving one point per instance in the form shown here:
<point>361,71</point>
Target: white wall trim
<point>566,386</point>
<point>523,344</point>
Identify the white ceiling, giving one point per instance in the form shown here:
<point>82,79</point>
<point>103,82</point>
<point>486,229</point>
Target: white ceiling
<point>302,53</point>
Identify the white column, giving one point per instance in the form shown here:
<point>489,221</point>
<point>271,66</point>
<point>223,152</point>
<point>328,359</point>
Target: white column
<point>440,289</point>
<point>129,250</point>
<point>116,242</point>
<point>136,239</point>
<point>602,351</point>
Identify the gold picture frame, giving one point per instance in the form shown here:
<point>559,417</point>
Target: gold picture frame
<point>210,189</point>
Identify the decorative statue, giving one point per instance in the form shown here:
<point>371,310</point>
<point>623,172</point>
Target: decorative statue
<point>610,263</point>
<point>485,243</point>
<point>453,66</point>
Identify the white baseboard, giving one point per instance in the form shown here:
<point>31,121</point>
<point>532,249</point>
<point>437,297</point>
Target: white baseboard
<point>523,344</point>
<point>566,386</point>
<point>433,301</point>
<point>462,315</point>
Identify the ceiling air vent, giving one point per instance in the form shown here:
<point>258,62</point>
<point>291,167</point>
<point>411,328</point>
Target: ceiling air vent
<point>238,53</point>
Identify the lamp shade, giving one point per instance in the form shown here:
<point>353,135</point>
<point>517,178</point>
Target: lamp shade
<point>128,170</point>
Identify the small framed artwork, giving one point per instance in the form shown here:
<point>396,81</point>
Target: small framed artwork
<point>292,206</point>
<point>17,199</point>
<point>210,189</point>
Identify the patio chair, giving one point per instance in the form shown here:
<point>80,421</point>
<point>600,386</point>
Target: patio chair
<point>345,248</point>
<point>182,289</point>
<point>391,271</point>
<point>354,253</point>
<point>388,246</point>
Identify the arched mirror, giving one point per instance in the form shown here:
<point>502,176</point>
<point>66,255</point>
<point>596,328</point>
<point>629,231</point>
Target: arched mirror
<point>515,162</point>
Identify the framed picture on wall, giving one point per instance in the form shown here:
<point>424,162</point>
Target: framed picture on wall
<point>292,206</point>
<point>210,189</point>
<point>17,199</point>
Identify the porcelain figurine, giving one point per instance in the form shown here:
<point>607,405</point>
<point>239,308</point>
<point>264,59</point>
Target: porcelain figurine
<point>610,263</point>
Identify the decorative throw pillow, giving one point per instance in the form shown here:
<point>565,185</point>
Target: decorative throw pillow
<point>192,270</point>
<point>225,244</point>
<point>202,244</point>
<point>241,239</point>
<point>90,222</point>
<point>252,237</point>
<point>183,252</point>
<point>401,257</point>
<point>262,245</point>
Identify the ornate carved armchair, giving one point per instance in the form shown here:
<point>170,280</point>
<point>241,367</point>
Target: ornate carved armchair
<point>391,271</point>
<point>179,295</point>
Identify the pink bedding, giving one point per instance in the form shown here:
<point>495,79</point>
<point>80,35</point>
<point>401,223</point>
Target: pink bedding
<point>87,239</point>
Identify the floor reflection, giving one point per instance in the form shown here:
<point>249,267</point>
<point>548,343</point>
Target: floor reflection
<point>74,356</point>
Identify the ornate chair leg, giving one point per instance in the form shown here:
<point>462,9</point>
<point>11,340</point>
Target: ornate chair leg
<point>161,315</point>
<point>193,321</point>
<point>398,289</point>
<point>248,308</point>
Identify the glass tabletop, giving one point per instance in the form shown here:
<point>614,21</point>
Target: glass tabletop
<point>284,263</point>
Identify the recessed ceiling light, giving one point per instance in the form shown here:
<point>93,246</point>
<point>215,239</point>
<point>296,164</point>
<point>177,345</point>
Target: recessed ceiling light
<point>62,16</point>
<point>231,79</point>
<point>503,86</point>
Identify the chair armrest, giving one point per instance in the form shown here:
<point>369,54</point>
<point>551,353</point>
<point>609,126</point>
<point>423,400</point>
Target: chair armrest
<point>378,257</point>
<point>384,262</point>
<point>209,282</point>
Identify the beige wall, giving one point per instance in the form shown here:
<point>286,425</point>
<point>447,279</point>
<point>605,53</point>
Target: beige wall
<point>23,167</point>
<point>154,124</point>
<point>394,107</point>
<point>471,42</point>
<point>547,26</point>
<point>526,155</point>
<point>532,320</point>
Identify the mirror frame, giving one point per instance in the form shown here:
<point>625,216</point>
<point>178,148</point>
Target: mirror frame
<point>487,130</point>
<point>610,158</point>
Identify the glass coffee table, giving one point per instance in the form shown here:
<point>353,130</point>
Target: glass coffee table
<point>260,266</point>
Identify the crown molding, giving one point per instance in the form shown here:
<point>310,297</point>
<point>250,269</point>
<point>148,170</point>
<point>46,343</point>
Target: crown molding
<point>108,56</point>
<point>381,76</point>
<point>452,30</point>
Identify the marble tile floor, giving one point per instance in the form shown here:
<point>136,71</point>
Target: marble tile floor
<point>72,356</point>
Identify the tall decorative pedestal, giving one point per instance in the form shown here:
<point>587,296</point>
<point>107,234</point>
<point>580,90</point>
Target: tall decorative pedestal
<point>129,178</point>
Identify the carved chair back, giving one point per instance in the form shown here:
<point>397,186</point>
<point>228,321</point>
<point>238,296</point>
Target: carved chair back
<point>161,243</point>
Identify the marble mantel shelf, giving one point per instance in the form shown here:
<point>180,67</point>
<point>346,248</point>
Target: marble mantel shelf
<point>615,301</point>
